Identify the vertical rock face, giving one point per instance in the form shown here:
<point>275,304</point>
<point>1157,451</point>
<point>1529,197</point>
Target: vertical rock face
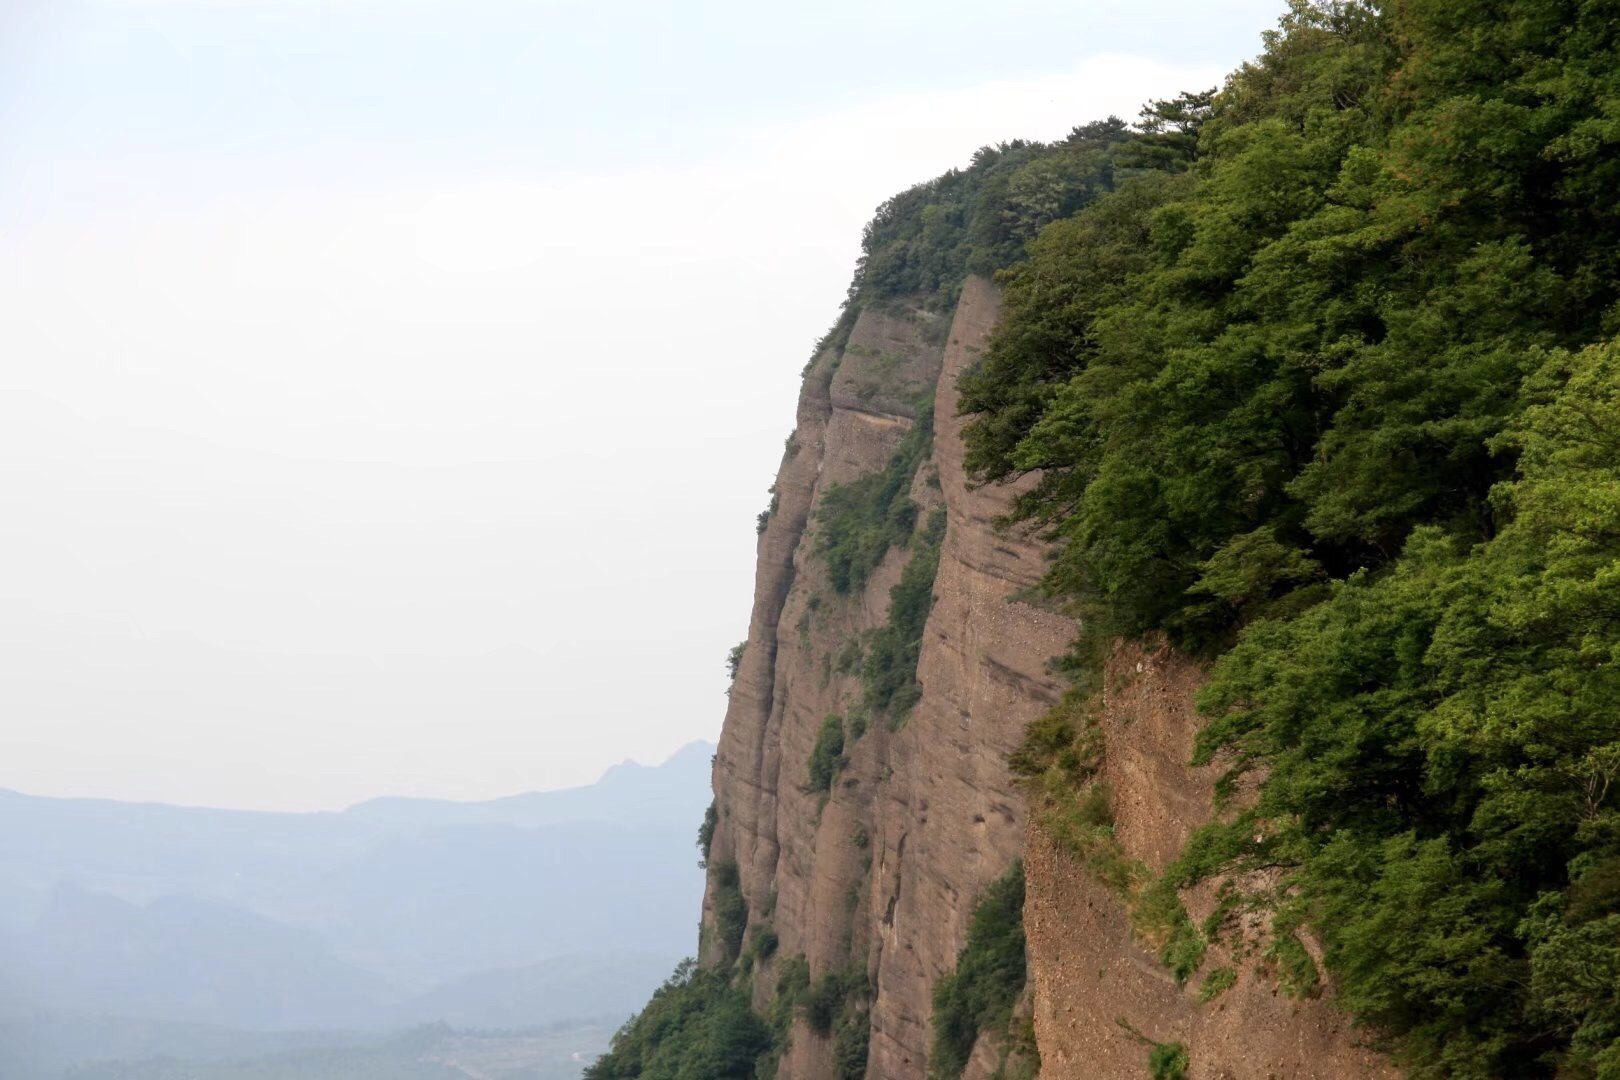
<point>882,872</point>
<point>951,820</point>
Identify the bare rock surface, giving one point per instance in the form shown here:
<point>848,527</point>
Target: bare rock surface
<point>882,872</point>
<point>952,819</point>
<point>1089,971</point>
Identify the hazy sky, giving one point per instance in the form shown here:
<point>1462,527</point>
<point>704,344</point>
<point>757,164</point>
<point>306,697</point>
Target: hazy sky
<point>390,387</point>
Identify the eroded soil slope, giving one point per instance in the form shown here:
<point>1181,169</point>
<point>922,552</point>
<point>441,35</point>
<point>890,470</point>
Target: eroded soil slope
<point>1089,969</point>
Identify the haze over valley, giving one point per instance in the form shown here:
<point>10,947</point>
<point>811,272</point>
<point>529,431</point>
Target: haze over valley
<point>136,931</point>
<point>1090,527</point>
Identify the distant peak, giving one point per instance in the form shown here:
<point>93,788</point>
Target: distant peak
<point>691,753</point>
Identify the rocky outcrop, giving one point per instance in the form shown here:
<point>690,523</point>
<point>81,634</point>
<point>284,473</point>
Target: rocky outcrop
<point>1098,992</point>
<point>883,872</point>
<point>951,818</point>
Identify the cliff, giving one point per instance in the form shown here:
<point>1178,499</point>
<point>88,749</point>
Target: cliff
<point>1311,384</point>
<point>1099,989</point>
<point>881,872</point>
<point>884,871</point>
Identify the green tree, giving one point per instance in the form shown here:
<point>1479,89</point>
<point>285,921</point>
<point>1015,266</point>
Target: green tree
<point>1325,388</point>
<point>696,1027</point>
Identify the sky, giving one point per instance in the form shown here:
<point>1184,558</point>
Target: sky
<point>388,387</point>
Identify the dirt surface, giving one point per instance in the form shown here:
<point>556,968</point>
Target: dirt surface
<point>1090,973</point>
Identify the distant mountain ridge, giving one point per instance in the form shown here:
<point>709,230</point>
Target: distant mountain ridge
<point>140,851</point>
<point>627,793</point>
<point>518,912</point>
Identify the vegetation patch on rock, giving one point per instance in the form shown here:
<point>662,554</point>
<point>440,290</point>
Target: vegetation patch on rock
<point>981,993</point>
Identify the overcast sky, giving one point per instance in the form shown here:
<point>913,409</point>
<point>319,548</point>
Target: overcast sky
<point>389,387</point>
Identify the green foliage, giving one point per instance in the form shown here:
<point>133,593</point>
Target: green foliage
<point>734,659</point>
<point>835,1006</point>
<point>1441,741</point>
<point>857,724</point>
<point>1167,1061</point>
<point>990,973</point>
<point>765,943</point>
<point>1060,758</point>
<point>1021,1055</point>
<point>861,520</point>
<point>729,906</point>
<point>827,756</point>
<point>763,519</point>
<point>1327,389</point>
<point>696,1027</point>
<point>1167,131</point>
<point>852,1040</point>
<point>1158,915</point>
<point>1265,370</point>
<point>705,836</point>
<point>849,658</point>
<point>1063,740</point>
<point>1297,972</point>
<point>976,220</point>
<point>792,982</point>
<point>889,672</point>
<point>828,999</point>
<point>1216,983</point>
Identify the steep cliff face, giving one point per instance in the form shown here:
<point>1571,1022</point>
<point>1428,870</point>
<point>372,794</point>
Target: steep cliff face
<point>881,873</point>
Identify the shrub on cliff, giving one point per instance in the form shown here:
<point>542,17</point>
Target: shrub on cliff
<point>836,1005</point>
<point>979,995</point>
<point>889,671</point>
<point>730,908</point>
<point>1168,1061</point>
<point>827,756</point>
<point>705,836</point>
<point>861,520</point>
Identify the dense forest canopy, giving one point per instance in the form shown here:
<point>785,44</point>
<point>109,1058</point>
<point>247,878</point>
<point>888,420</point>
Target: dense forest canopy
<point>1319,376</point>
<point>1336,403</point>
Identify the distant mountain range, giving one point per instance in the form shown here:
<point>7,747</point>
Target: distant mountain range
<point>521,912</point>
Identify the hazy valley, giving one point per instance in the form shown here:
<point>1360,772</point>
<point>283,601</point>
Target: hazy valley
<point>133,931</point>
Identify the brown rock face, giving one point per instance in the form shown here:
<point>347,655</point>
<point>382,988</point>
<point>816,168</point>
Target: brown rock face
<point>951,819</point>
<point>882,872</point>
<point>885,874</point>
<point>1089,972</point>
